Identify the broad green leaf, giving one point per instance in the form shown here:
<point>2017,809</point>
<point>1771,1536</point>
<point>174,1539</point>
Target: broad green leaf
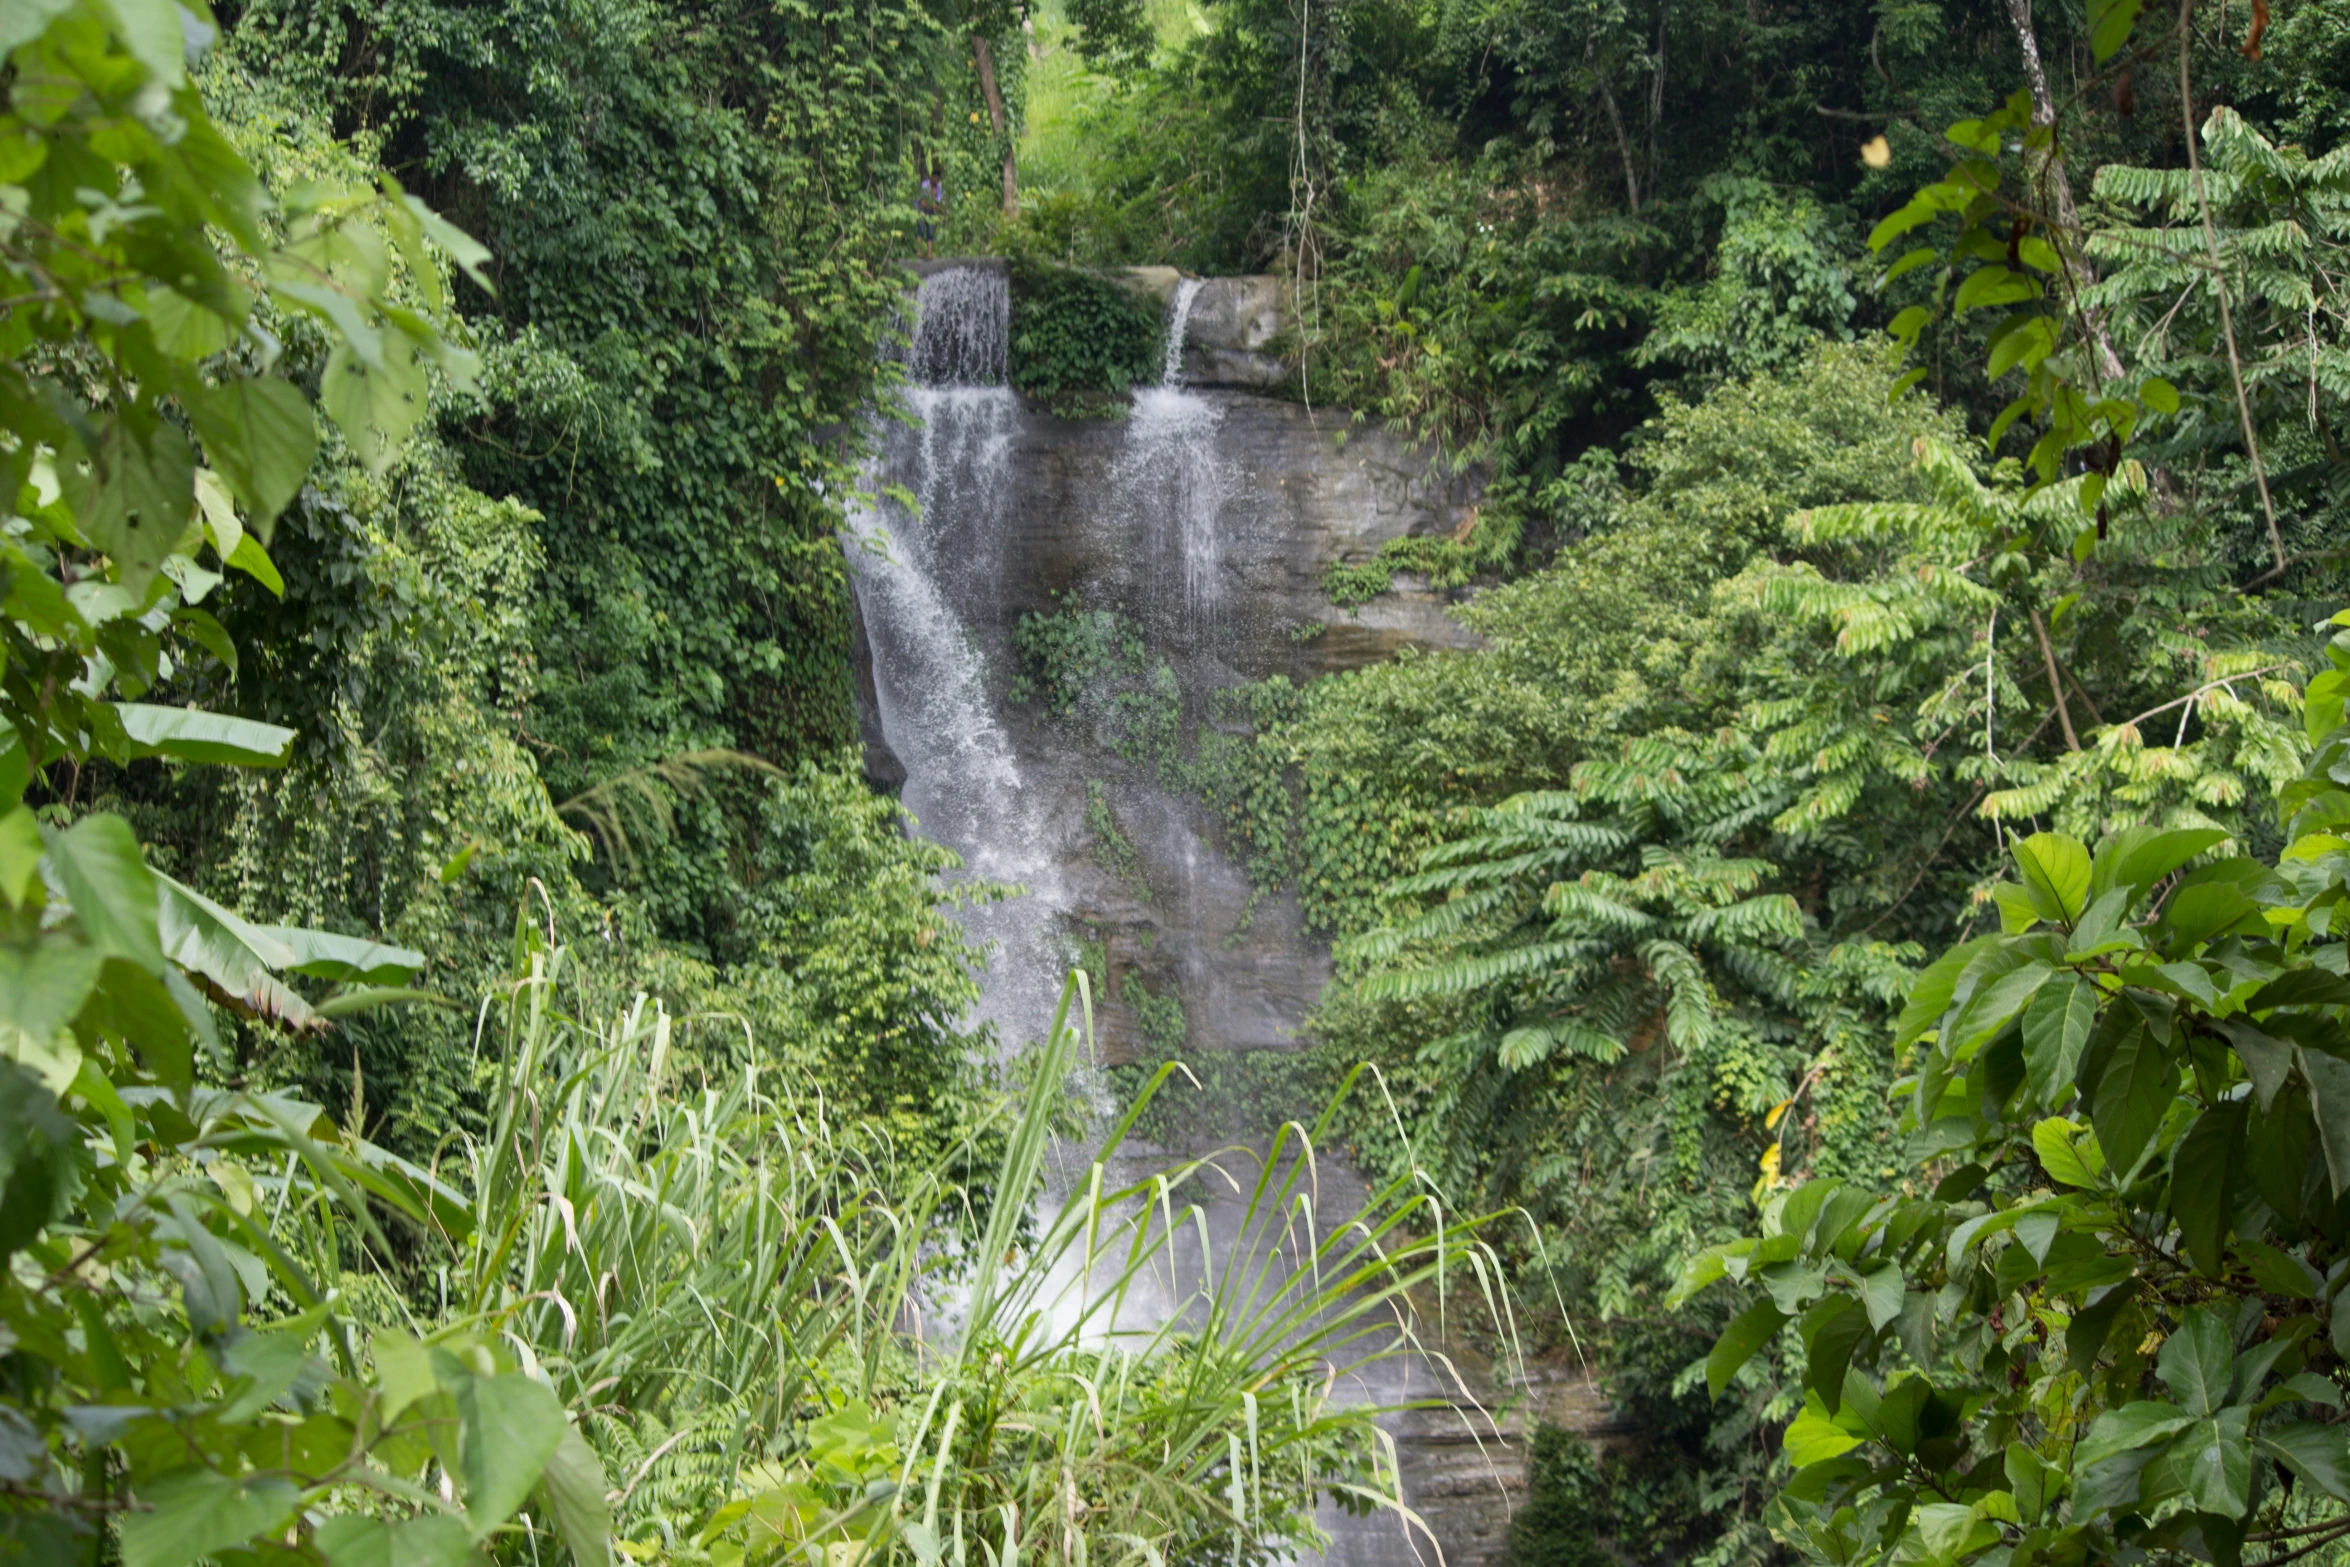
<point>2267,1059</point>
<point>1813,1438</point>
<point>512,1426</point>
<point>2055,872</point>
<point>1747,1332</point>
<point>432,1540</point>
<point>375,407</point>
<point>1929,996</point>
<point>194,736</point>
<point>138,1006</point>
<point>251,559</point>
<point>43,984</point>
<point>20,854</point>
<point>2034,1482</point>
<point>39,1173</point>
<point>1832,1330</point>
<point>220,513</point>
<point>97,861</point>
<point>574,1489</point>
<point>2134,1087</point>
<point>2159,395</point>
<point>2196,1362</point>
<point>2318,1454</point>
<point>2276,1152</point>
<point>2093,1324</point>
<point>22,21</point>
<point>1701,1270</point>
<point>193,1513</point>
<point>2214,1457</point>
<point>1882,1290</point>
<point>2110,22</point>
<point>258,432</point>
<point>241,960</point>
<point>184,329</point>
<point>2328,1077</point>
<point>325,955</point>
<point>130,493</point>
<point>403,1373</point>
<point>2204,1167</point>
<point>2129,1427</point>
<point>2056,1026</point>
<point>150,31</point>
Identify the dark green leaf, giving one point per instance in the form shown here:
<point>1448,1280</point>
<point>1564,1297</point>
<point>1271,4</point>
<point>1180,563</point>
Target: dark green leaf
<point>2134,1088</point>
<point>2056,1025</point>
<point>2276,1153</point>
<point>1747,1332</point>
<point>2267,1059</point>
<point>2204,1167</point>
<point>2091,1325</point>
<point>1832,1330</point>
<point>2328,1078</point>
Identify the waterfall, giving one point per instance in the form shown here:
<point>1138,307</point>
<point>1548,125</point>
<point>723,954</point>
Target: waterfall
<point>964,783</point>
<point>939,548</point>
<point>1170,483</point>
<point>963,328</point>
<point>1178,322</point>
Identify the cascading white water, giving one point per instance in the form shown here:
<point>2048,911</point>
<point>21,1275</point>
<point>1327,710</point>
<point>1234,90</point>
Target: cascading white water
<point>1170,479</point>
<point>963,328</point>
<point>1178,323</point>
<point>964,784</point>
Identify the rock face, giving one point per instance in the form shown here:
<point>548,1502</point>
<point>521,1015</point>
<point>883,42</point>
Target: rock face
<point>1208,518</point>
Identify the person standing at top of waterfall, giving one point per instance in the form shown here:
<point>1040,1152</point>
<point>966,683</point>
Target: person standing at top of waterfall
<point>930,203</point>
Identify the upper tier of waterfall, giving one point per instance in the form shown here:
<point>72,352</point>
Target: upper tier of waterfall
<point>962,328</point>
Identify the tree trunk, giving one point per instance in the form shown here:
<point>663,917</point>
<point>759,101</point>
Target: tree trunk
<point>1623,148</point>
<point>2077,268</point>
<point>985,55</point>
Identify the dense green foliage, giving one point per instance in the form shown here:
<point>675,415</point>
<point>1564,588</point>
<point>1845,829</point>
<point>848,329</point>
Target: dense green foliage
<point>2137,1093</point>
<point>1080,342</point>
<point>1795,647</point>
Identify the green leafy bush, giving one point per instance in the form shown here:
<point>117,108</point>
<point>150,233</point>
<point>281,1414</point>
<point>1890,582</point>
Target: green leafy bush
<point>2101,1311</point>
<point>1092,668</point>
<point>1080,341</point>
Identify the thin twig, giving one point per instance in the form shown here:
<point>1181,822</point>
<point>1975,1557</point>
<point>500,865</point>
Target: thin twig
<point>2227,320</point>
<point>2156,712</point>
<point>2317,1544</point>
<point>2064,714</point>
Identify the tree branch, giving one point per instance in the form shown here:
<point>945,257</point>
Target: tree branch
<point>2064,714</point>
